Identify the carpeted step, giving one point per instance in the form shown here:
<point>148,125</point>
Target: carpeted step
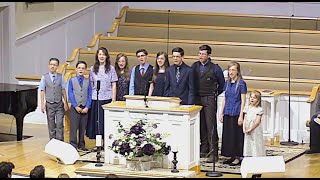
<point>249,69</point>
<point>218,19</point>
<point>221,49</point>
<point>227,34</point>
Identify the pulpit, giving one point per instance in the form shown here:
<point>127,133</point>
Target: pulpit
<point>181,123</point>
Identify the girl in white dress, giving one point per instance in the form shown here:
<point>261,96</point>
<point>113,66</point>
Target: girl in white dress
<point>252,127</point>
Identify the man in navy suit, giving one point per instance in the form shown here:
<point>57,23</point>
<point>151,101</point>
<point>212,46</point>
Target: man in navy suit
<point>179,79</point>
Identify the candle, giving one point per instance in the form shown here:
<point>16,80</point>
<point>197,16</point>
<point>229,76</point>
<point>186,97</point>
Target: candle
<point>98,140</point>
<point>174,148</point>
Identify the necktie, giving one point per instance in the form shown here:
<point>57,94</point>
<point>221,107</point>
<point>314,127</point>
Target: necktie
<point>178,74</point>
<point>81,82</point>
<point>142,72</point>
<point>54,79</point>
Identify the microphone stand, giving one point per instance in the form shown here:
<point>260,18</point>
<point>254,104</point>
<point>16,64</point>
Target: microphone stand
<point>214,173</point>
<point>168,32</point>
<point>289,142</point>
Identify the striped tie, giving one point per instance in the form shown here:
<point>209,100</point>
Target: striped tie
<point>178,74</point>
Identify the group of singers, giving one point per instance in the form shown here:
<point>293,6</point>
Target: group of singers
<point>199,84</point>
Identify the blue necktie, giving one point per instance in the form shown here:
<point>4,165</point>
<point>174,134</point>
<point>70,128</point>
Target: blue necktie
<point>81,82</point>
<point>54,79</point>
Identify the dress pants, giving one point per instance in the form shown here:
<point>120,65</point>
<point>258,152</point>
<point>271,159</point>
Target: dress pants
<point>55,119</point>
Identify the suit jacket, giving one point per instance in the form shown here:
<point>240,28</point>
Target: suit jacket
<point>184,89</point>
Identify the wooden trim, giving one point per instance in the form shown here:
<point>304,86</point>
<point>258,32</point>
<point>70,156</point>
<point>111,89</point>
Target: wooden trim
<point>221,28</point>
<point>219,14</point>
<point>75,52</point>
<point>122,12</point>
<point>94,40</point>
<point>32,78</point>
<point>314,92</point>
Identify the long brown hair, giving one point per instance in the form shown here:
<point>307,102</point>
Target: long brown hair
<point>239,76</point>
<point>126,67</point>
<point>156,69</point>
<point>97,63</point>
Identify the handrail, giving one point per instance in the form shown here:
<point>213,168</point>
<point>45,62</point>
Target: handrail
<point>94,40</point>
<point>61,69</point>
<point>114,26</point>
<point>221,28</point>
<point>210,42</point>
<point>122,12</point>
<point>314,92</point>
<point>116,22</point>
<point>219,14</point>
<point>75,52</point>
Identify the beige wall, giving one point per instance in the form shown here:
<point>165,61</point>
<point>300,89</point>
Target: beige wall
<point>38,15</point>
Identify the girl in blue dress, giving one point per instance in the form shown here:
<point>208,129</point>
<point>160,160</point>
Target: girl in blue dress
<point>231,115</point>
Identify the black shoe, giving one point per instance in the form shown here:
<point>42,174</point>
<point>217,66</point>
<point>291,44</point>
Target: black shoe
<point>228,161</point>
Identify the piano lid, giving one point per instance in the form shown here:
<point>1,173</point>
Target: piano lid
<point>5,87</point>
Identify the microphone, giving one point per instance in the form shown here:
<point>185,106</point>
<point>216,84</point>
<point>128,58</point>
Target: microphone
<point>98,85</point>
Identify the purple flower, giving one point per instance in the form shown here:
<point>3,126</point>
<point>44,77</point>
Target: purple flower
<point>137,129</point>
<point>167,150</point>
<point>154,126</point>
<point>115,143</point>
<point>125,148</point>
<point>148,149</point>
<point>157,135</point>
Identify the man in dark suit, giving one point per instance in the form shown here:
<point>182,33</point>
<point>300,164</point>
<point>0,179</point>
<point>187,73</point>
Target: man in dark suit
<point>179,79</point>
<point>209,82</point>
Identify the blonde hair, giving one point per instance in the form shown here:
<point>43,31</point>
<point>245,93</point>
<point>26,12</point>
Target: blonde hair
<point>239,76</point>
<point>257,94</point>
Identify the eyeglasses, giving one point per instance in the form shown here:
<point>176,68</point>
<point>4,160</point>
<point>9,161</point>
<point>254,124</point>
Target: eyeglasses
<point>141,56</point>
<point>203,54</point>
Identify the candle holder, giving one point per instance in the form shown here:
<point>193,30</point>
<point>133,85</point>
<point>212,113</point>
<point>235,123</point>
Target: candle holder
<point>99,164</point>
<point>174,161</point>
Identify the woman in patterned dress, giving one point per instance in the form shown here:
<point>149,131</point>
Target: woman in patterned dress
<point>123,72</point>
<point>104,72</point>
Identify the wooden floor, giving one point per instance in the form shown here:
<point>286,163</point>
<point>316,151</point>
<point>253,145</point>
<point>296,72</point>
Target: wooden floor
<point>28,153</point>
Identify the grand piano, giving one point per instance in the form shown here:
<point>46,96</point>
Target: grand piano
<point>18,100</point>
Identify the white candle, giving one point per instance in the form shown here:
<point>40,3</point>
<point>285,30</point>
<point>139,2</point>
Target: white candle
<point>174,149</point>
<point>98,140</point>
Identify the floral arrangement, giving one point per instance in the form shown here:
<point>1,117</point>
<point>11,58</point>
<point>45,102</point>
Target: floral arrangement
<point>139,140</point>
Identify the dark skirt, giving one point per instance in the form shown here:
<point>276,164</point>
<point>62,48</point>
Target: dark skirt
<point>232,137</point>
<point>314,135</point>
<point>93,123</point>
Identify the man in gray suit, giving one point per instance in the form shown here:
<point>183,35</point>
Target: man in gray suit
<point>52,87</point>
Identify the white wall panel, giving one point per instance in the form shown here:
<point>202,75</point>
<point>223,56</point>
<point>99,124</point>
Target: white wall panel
<point>79,32</point>
<point>52,44</point>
